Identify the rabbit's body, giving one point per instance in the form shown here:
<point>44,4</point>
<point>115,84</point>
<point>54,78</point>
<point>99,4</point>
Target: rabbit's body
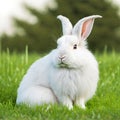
<point>68,75</point>
<point>75,84</point>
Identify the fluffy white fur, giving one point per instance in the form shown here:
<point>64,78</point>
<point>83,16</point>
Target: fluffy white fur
<point>66,75</point>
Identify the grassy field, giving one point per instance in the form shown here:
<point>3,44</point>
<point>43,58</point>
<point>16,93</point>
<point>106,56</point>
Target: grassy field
<point>105,105</point>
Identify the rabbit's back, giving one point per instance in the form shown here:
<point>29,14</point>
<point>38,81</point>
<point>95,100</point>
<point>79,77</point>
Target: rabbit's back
<point>36,74</point>
<point>34,88</point>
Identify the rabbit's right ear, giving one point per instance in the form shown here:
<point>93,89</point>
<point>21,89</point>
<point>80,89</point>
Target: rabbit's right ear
<point>66,25</point>
<point>84,26</point>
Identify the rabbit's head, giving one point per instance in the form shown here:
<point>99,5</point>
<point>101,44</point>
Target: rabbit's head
<point>71,49</point>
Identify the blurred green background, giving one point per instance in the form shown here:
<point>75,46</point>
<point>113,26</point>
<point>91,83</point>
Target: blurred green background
<point>42,35</point>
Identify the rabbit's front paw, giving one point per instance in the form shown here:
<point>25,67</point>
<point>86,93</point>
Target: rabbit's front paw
<point>68,103</point>
<point>69,106</point>
<point>80,103</point>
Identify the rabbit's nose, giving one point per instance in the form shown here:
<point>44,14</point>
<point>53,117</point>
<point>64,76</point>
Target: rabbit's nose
<point>62,57</point>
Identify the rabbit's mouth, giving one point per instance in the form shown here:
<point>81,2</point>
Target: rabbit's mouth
<point>63,65</point>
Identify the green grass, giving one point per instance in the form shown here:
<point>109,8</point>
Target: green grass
<point>105,105</point>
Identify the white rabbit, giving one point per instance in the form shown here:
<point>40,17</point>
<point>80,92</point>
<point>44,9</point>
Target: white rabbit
<point>69,74</point>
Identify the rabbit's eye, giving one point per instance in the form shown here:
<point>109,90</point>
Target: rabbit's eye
<point>75,46</point>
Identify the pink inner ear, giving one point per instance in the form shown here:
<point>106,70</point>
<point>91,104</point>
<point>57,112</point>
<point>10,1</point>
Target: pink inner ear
<point>85,28</point>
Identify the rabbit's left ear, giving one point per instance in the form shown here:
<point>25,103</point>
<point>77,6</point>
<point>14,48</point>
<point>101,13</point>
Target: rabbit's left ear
<point>84,26</point>
<point>66,25</point>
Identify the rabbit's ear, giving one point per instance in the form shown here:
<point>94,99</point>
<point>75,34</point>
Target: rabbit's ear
<point>66,25</point>
<point>84,26</point>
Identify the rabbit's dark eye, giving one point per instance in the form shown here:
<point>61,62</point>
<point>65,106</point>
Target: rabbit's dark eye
<point>75,46</point>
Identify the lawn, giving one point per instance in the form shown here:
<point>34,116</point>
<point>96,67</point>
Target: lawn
<point>105,105</point>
